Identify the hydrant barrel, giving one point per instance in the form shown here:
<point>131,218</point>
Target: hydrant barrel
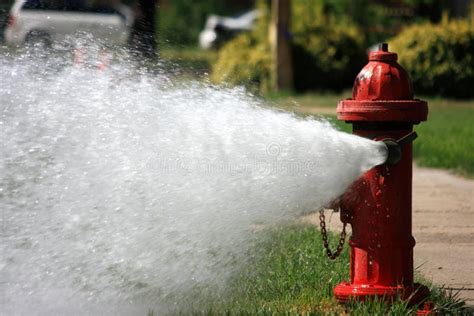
<point>380,202</point>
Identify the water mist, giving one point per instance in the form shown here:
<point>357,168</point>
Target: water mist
<point>125,189</point>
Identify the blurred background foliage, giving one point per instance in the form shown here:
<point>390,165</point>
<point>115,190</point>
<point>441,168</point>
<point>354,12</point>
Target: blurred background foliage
<point>180,21</point>
<point>438,57</point>
<point>330,40</point>
<point>326,52</point>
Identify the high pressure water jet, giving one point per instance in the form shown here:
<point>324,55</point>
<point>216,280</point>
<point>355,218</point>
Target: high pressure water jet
<point>123,191</point>
<point>378,206</point>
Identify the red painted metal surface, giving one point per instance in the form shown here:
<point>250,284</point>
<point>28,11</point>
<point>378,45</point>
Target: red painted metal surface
<point>379,205</point>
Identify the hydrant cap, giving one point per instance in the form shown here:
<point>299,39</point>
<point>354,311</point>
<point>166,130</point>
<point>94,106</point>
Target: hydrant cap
<point>382,92</point>
<point>382,78</point>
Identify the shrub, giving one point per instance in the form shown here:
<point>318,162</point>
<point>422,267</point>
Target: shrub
<point>246,60</point>
<point>325,55</point>
<point>438,57</point>
<point>243,61</point>
<point>180,21</point>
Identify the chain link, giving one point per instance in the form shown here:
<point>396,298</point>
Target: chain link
<point>324,234</point>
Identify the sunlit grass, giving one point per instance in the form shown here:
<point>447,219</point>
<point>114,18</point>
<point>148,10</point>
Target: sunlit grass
<point>446,140</point>
<point>188,59</point>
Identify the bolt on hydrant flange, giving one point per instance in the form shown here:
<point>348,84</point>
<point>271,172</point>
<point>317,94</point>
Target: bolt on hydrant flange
<point>380,202</point>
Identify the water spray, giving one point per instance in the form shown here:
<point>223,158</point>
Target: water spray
<point>123,191</point>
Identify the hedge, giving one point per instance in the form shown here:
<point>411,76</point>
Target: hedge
<point>438,57</point>
<point>326,55</point>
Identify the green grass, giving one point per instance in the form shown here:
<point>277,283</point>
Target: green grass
<point>188,59</point>
<point>322,99</point>
<point>445,141</point>
<point>288,273</point>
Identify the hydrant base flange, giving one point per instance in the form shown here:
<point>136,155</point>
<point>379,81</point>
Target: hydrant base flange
<point>345,292</point>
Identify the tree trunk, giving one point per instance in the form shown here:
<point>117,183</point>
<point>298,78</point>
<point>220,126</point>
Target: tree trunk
<point>282,69</point>
<point>143,33</point>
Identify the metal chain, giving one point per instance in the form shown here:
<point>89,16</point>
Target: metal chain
<point>324,234</point>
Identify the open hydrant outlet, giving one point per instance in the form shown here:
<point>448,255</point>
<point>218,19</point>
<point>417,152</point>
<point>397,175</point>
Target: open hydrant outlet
<point>395,147</point>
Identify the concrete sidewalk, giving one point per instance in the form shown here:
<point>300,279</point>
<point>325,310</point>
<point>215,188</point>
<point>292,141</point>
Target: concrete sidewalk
<point>443,226</point>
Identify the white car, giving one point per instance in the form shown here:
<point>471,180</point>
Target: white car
<point>54,21</point>
<point>220,28</point>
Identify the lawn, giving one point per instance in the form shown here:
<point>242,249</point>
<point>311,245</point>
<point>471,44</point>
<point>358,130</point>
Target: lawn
<point>288,273</point>
<point>447,138</point>
<point>190,60</point>
<point>445,141</point>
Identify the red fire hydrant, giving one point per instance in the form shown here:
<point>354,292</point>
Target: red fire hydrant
<point>379,205</point>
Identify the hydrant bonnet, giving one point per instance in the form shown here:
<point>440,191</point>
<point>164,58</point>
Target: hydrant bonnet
<point>382,92</point>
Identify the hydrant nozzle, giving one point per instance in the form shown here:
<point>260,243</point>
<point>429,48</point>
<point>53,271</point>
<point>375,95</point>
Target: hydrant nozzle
<point>395,147</point>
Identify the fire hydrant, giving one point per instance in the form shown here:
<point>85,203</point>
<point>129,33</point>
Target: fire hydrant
<point>379,205</point>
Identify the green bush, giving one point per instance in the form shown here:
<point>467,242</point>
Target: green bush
<point>180,21</point>
<point>243,61</point>
<point>326,55</point>
<point>246,60</point>
<point>438,57</point>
